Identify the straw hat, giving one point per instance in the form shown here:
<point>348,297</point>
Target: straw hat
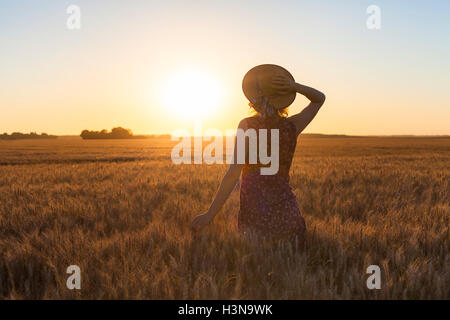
<point>257,83</point>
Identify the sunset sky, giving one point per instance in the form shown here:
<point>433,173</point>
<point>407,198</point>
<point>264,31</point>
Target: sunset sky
<point>133,63</point>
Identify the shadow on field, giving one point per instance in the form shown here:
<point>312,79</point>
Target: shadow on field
<point>25,276</point>
<point>226,266</point>
<point>72,161</point>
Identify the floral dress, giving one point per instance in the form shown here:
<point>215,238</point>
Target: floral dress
<point>268,207</point>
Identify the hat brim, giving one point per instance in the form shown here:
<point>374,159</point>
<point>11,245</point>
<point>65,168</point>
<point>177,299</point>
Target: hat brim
<point>261,76</point>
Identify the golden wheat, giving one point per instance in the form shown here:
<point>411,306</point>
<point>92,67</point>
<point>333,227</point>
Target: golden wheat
<point>121,210</point>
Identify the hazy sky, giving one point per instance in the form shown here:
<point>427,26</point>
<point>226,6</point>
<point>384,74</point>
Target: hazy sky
<point>117,68</point>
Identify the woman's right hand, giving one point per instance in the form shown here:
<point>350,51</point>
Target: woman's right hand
<point>201,221</point>
<point>282,84</point>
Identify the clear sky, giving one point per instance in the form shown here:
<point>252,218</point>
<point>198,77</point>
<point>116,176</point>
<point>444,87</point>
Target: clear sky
<point>120,68</point>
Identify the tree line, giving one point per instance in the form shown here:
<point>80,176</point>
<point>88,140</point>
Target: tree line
<point>31,135</point>
<point>115,133</point>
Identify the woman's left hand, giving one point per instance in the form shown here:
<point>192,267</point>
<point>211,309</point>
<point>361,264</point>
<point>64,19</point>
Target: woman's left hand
<point>201,221</point>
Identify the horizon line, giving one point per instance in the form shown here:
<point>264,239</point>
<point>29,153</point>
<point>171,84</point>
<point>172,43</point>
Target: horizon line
<point>306,133</point>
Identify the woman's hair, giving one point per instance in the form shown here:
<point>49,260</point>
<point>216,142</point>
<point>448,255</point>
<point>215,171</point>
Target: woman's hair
<point>281,113</point>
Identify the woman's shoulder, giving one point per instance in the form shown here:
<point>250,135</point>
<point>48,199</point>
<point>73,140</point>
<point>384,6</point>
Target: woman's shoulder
<point>249,122</point>
<point>257,122</point>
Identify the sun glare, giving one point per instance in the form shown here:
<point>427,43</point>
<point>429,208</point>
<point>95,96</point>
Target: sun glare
<point>192,94</point>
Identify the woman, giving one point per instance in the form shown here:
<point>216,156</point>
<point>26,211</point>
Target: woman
<point>268,206</point>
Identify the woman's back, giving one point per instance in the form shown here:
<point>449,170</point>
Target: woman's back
<point>287,143</point>
<point>268,206</point>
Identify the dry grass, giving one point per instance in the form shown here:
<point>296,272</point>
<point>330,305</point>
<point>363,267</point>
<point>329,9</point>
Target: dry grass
<point>120,210</point>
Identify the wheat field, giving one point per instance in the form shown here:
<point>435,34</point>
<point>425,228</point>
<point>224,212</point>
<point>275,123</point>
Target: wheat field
<point>120,210</point>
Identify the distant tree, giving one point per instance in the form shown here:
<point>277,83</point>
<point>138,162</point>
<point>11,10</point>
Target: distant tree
<point>31,135</point>
<point>116,133</point>
<point>121,133</point>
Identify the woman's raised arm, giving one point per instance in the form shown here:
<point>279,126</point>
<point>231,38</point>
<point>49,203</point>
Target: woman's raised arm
<point>317,98</point>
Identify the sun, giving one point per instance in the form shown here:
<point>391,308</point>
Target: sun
<point>192,94</point>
